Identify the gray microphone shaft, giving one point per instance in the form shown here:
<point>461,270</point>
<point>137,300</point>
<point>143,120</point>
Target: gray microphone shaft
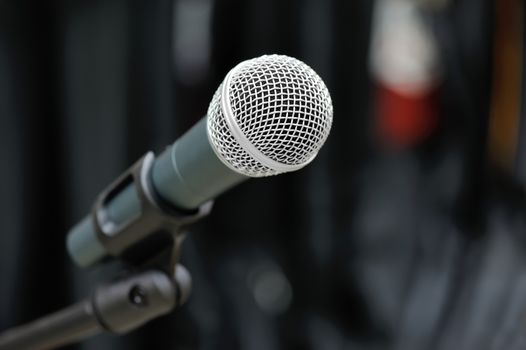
<point>189,173</point>
<point>186,174</point>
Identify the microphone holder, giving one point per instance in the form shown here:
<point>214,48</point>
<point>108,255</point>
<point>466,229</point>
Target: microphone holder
<point>153,285</point>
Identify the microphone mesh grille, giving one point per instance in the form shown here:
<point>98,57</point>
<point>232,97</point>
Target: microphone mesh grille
<point>280,106</point>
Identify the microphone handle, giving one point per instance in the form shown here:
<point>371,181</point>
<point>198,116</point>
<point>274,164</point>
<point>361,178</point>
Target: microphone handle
<point>187,174</point>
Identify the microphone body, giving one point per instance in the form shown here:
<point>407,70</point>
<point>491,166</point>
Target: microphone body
<point>270,115</point>
<point>187,174</point>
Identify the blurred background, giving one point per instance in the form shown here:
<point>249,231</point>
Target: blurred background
<point>406,232</point>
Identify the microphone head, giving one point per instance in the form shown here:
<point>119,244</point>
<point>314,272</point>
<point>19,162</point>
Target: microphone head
<point>270,115</point>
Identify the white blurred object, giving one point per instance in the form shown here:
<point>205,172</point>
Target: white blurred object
<point>192,40</point>
<point>270,288</point>
<point>436,5</point>
<point>404,54</point>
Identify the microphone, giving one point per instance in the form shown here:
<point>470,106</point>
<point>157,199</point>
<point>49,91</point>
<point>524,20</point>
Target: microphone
<point>270,115</point>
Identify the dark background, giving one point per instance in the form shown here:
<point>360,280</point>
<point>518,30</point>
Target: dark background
<point>371,248</point>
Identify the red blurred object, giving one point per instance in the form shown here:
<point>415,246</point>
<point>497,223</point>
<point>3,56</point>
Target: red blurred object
<point>405,120</point>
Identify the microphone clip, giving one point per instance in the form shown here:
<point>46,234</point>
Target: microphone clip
<point>151,237</point>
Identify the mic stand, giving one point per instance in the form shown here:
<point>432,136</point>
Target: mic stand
<point>118,308</point>
<point>156,285</point>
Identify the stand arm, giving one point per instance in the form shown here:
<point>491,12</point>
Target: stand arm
<point>63,327</point>
<point>119,307</point>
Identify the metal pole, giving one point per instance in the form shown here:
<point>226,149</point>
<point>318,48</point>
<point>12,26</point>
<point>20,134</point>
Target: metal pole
<point>63,327</point>
<point>118,307</point>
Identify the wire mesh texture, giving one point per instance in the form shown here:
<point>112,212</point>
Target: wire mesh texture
<point>270,115</point>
